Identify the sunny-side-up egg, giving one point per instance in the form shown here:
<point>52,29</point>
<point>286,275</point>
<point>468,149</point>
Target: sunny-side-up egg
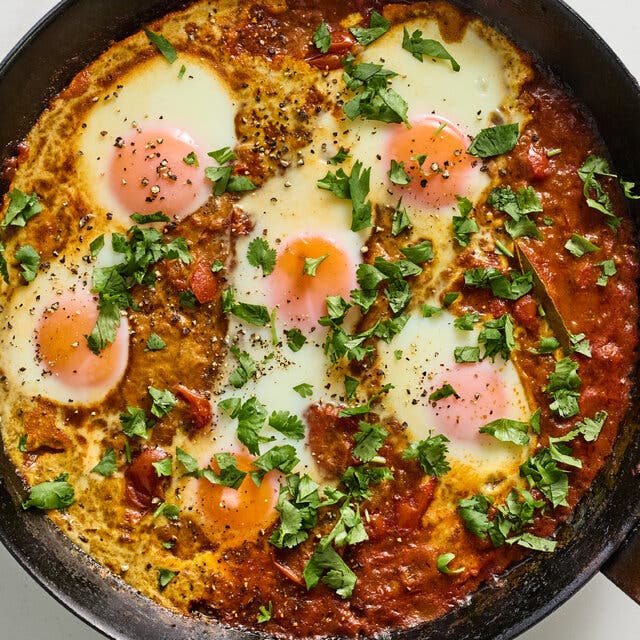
<point>144,147</point>
<point>43,345</point>
<point>299,221</point>
<point>446,109</point>
<point>420,361</point>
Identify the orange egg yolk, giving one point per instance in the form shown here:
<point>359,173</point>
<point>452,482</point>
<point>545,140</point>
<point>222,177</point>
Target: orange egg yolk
<point>445,171</point>
<point>62,345</point>
<point>158,170</point>
<point>301,298</point>
<point>483,398</point>
<point>238,513</point>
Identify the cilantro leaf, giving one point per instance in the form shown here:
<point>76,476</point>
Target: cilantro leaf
<point>169,511</point>
<point>259,254</point>
<point>595,195</point>
<point>189,463</point>
<point>579,246</point>
<point>247,369</point>
<point>135,423</point>
<point>467,354</point>
<point>591,427</point>
<point>326,564</point>
<point>281,457</point>
<point>29,260</point>
<point>163,46</point>
<point>251,416</point>
<point>542,472</point>
<point>563,387</point>
<point>155,343</point>
<point>22,207</point>
<point>311,265</point>
<point>287,424</point>
<point>165,576</point>
<point>163,467</point>
<point>466,322</point>
<point>445,391</point>
<point>340,157</point>
<point>463,225</point>
<point>350,387</point>
<point>252,313</point>
<point>400,220</point>
<point>517,206</point>
<point>148,218</point>
<point>501,286</point>
<point>265,613</point>
<point>497,337</point>
<point>444,559</point>
<point>56,494</point>
<point>369,439</point>
<point>419,253</point>
<point>508,431</point>
<point>418,46</point>
<point>107,465</point>
<point>322,37</point>
<point>163,401</point>
<point>4,270</point>
<point>431,454</point>
<point>378,26</point>
<point>304,390</point>
<point>495,141</point>
<point>397,174</point>
<point>229,476</point>
<point>295,339</point>
<point>608,269</point>
<point>358,480</point>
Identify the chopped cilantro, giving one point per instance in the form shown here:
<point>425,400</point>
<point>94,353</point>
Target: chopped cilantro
<point>311,265</point>
<point>251,313</point>
<point>322,37</point>
<point>495,141</point>
<point>595,195</point>
<point>29,260</point>
<point>463,225</point>
<point>445,391</point>
<point>163,401</point>
<point>247,369</point>
<point>378,26</point>
<point>281,457</point>
<point>251,416</point>
<point>163,467</point>
<point>350,387</point>
<point>419,253</point>
<point>169,511</point>
<point>287,423</point>
<point>497,337</point>
<point>259,254</point>
<point>608,269</point>
<point>217,266</point>
<point>542,472</point>
<point>517,206</point>
<point>188,299</point>
<point>466,322</point>
<point>374,99</point>
<point>501,286</point>
<point>55,494</point>
<point>191,159</point>
<point>162,45</point>
<point>418,46</point>
<point>135,423</point>
<point>444,559</point>
<point>155,343</point>
<point>96,245</point>
<point>265,613</point>
<point>295,339</point>
<point>22,207</point>
<point>563,387</point>
<point>369,439</point>
<point>22,443</point>
<point>466,354</point>
<point>222,175</point>
<point>578,246</point>
<point>107,465</point>
<point>354,187</point>
<point>400,220</point>
<point>165,576</point>
<point>508,431</point>
<point>397,173</point>
<point>304,390</point>
<point>431,454</point>
<point>340,157</point>
<point>449,298</point>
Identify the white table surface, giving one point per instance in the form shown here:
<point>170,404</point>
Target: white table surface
<point>598,612</point>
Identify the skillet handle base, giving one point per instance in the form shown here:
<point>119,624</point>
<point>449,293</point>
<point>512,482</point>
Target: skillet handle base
<point>623,568</point>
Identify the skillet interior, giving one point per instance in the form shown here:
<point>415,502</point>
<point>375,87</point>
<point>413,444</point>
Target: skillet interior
<point>31,75</point>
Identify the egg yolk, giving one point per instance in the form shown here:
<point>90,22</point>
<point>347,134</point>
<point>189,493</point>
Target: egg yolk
<point>158,170</point>
<point>444,173</point>
<point>301,297</point>
<point>62,345</point>
<point>482,399</point>
<point>242,512</point>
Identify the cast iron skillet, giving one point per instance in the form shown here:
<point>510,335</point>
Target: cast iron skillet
<point>74,34</point>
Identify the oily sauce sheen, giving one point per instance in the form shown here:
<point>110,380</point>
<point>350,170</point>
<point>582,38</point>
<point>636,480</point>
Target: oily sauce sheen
<point>182,536</point>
